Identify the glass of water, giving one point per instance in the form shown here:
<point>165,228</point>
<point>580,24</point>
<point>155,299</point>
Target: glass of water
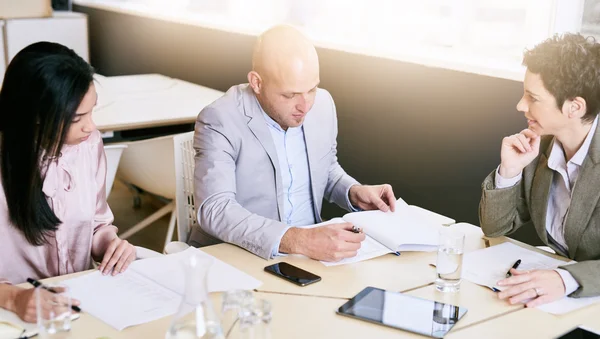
<point>449,260</point>
<point>53,310</point>
<point>233,303</point>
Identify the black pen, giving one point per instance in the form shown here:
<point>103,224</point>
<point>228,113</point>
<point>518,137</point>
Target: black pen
<point>517,263</point>
<point>36,284</point>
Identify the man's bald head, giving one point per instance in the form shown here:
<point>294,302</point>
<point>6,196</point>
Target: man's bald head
<point>285,74</point>
<point>283,52</point>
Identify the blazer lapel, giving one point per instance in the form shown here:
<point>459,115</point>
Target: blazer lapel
<point>311,129</point>
<point>540,192</point>
<point>584,196</point>
<point>259,128</point>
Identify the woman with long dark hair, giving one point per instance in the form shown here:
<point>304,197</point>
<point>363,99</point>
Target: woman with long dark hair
<point>54,218</point>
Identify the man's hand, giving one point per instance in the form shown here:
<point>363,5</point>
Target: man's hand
<point>332,242</point>
<point>379,197</point>
<point>517,152</point>
<point>534,287</point>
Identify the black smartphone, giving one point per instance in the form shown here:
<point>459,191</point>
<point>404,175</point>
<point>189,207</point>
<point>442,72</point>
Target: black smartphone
<point>580,333</point>
<point>292,274</point>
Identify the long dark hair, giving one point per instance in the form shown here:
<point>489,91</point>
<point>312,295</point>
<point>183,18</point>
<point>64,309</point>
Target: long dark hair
<point>42,89</point>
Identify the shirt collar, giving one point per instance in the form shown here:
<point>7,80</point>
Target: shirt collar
<point>557,154</point>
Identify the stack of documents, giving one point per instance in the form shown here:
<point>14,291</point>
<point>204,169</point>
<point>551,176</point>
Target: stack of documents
<point>409,228</point>
<point>489,265</point>
<point>149,289</point>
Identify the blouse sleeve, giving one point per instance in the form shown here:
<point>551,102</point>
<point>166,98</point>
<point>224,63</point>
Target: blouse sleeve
<point>104,231</point>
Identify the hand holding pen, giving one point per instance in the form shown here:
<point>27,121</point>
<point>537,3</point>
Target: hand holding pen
<point>36,284</point>
<point>514,266</point>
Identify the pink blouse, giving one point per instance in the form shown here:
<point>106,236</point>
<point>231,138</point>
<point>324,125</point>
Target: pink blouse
<point>75,188</point>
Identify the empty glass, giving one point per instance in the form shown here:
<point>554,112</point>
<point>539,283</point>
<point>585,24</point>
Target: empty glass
<point>449,260</point>
<point>53,310</point>
<point>233,302</point>
<point>254,321</point>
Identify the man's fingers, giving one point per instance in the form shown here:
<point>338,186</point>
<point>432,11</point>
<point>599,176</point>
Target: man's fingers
<point>351,236</point>
<point>345,226</point>
<point>389,195</point>
<point>345,254</point>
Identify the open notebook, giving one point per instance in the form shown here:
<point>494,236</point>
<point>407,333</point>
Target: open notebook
<point>12,327</point>
<point>409,228</point>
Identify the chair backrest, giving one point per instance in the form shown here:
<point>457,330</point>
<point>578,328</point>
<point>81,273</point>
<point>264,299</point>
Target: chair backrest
<point>113,155</point>
<point>148,164</point>
<point>184,182</point>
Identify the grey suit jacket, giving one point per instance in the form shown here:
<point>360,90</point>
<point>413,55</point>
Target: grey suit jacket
<point>238,185</point>
<point>503,211</point>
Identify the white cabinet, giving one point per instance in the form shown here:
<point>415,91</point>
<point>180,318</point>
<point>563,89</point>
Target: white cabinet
<point>67,28</point>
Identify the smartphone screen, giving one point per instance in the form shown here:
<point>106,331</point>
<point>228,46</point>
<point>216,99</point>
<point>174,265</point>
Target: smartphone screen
<point>580,333</point>
<point>292,273</point>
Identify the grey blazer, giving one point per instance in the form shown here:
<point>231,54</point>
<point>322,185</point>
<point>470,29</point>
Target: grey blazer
<point>503,211</point>
<point>238,185</point>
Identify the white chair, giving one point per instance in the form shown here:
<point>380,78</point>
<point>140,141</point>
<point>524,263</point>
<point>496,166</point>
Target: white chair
<point>148,164</point>
<point>184,183</point>
<point>113,155</point>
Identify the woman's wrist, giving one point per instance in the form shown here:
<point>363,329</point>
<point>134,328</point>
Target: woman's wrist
<point>8,294</point>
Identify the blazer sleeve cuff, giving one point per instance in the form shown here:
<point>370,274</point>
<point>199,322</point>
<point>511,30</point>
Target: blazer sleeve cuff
<point>502,182</point>
<point>341,191</point>
<point>587,275</point>
<point>571,285</point>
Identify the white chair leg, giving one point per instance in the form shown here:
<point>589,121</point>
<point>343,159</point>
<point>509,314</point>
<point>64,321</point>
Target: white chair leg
<point>171,228</point>
<point>168,208</point>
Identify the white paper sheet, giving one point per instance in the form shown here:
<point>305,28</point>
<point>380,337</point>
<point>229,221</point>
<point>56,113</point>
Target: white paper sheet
<point>150,289</point>
<point>409,228</point>
<point>489,265</point>
<point>566,305</point>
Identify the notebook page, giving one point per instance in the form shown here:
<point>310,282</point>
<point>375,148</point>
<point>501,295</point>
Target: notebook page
<point>394,229</point>
<point>150,289</point>
<point>489,265</point>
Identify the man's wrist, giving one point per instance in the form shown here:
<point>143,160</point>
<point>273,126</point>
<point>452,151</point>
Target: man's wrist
<point>290,241</point>
<point>352,195</point>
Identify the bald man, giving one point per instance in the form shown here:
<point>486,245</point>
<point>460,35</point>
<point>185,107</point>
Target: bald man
<point>266,158</point>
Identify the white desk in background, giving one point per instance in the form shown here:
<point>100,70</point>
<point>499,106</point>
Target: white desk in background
<point>148,100</point>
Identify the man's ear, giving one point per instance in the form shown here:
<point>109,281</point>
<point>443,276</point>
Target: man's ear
<point>577,107</point>
<point>255,81</point>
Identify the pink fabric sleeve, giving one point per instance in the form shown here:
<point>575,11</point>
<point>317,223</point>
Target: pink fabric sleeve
<point>104,231</point>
